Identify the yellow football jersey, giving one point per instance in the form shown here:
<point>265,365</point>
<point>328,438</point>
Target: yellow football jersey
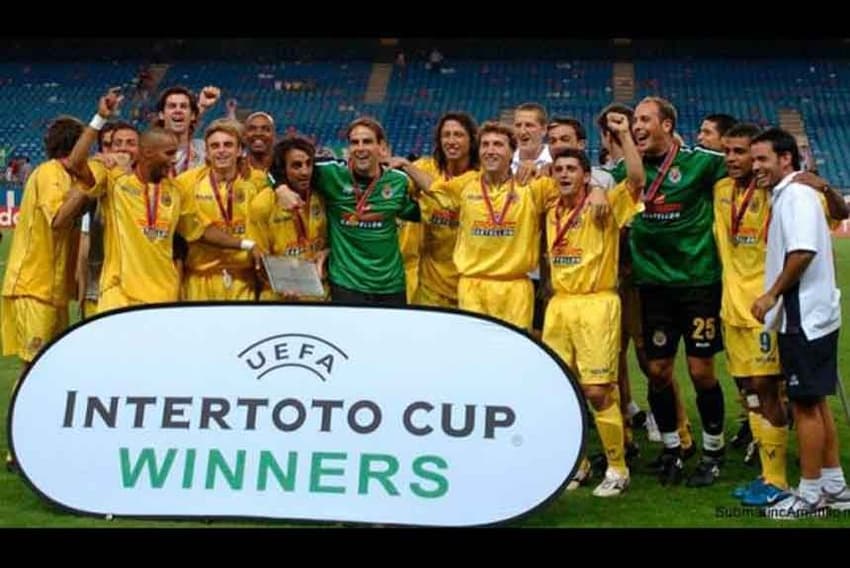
<point>742,251</point>
<point>437,270</point>
<point>585,257</point>
<point>498,230</point>
<point>225,208</point>
<point>40,263</point>
<point>139,227</point>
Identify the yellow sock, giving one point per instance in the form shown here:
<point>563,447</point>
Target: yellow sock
<point>755,425</point>
<point>609,424</point>
<point>773,450</point>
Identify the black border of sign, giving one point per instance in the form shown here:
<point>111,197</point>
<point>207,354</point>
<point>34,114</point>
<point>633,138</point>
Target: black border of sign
<point>571,377</point>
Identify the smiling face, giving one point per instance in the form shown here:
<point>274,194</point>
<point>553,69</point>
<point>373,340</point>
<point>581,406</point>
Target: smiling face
<point>652,134</point>
<point>259,134</point>
<point>177,115</point>
<point>364,151</point>
<point>529,130</point>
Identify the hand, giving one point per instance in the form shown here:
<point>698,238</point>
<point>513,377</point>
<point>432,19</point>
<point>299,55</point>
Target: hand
<point>108,160</point>
<point>618,122</point>
<point>599,206</point>
<point>812,180</point>
<point>108,103</point>
<point>208,97</point>
<point>763,305</point>
<point>526,172</point>
<point>257,255</point>
<point>320,259</point>
<point>287,198</point>
<point>399,163</point>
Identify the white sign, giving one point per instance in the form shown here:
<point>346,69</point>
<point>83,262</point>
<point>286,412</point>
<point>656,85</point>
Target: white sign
<point>311,412</point>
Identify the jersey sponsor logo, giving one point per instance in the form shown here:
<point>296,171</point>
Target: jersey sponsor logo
<point>128,188</point>
<point>746,236</point>
<point>566,256</point>
<point>364,221</point>
<point>300,248</point>
<point>659,338</point>
<point>660,211</point>
<point>674,175</point>
<point>444,218</point>
<point>490,229</point>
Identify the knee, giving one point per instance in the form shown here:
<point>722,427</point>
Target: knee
<point>660,372</point>
<point>702,373</point>
<point>599,396</point>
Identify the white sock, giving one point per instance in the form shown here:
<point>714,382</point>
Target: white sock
<point>810,489</point>
<point>671,439</point>
<point>632,408</point>
<point>712,442</point>
<point>833,479</point>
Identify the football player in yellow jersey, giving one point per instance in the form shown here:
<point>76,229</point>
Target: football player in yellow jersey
<point>582,322</point>
<point>498,230</point>
<point>259,140</point>
<point>455,154</point>
<point>301,233</point>
<point>222,196</point>
<point>742,214</point>
<point>39,278</point>
<point>143,210</point>
<point>409,232</point>
<point>119,149</point>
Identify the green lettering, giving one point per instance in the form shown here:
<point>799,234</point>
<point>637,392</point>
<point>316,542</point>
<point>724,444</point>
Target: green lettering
<point>382,476</point>
<point>316,471</point>
<point>419,469</point>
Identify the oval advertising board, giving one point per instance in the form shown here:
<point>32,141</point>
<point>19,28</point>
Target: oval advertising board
<point>302,412</point>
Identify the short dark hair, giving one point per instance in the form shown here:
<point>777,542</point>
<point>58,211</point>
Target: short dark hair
<point>277,171</point>
<point>177,90</point>
<point>574,123</point>
<point>468,124</point>
<point>743,130</point>
<point>369,123</point>
<point>722,121</point>
<point>782,142</point>
<point>62,133</point>
<point>579,155</point>
<point>493,127</point>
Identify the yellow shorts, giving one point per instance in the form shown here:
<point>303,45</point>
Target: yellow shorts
<point>218,285</point>
<point>751,351</point>
<point>411,277</point>
<point>584,330</point>
<point>427,297</point>
<point>114,298</point>
<point>630,300</point>
<point>28,324</point>
<point>508,300</point>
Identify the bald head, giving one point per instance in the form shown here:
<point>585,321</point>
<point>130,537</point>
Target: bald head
<point>157,151</point>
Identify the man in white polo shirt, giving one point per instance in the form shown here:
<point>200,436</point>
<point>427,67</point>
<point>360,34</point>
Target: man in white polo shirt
<point>802,304</point>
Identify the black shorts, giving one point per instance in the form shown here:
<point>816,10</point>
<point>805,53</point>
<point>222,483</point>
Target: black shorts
<point>810,366</point>
<point>345,296</point>
<point>668,313</point>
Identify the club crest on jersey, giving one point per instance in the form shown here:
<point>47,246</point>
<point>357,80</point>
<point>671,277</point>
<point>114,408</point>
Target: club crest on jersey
<point>387,191</point>
<point>675,175</point>
<point>165,199</point>
<point>239,196</point>
<point>755,204</point>
<point>659,338</point>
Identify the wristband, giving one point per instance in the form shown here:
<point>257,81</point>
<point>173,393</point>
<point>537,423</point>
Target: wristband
<point>97,122</point>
